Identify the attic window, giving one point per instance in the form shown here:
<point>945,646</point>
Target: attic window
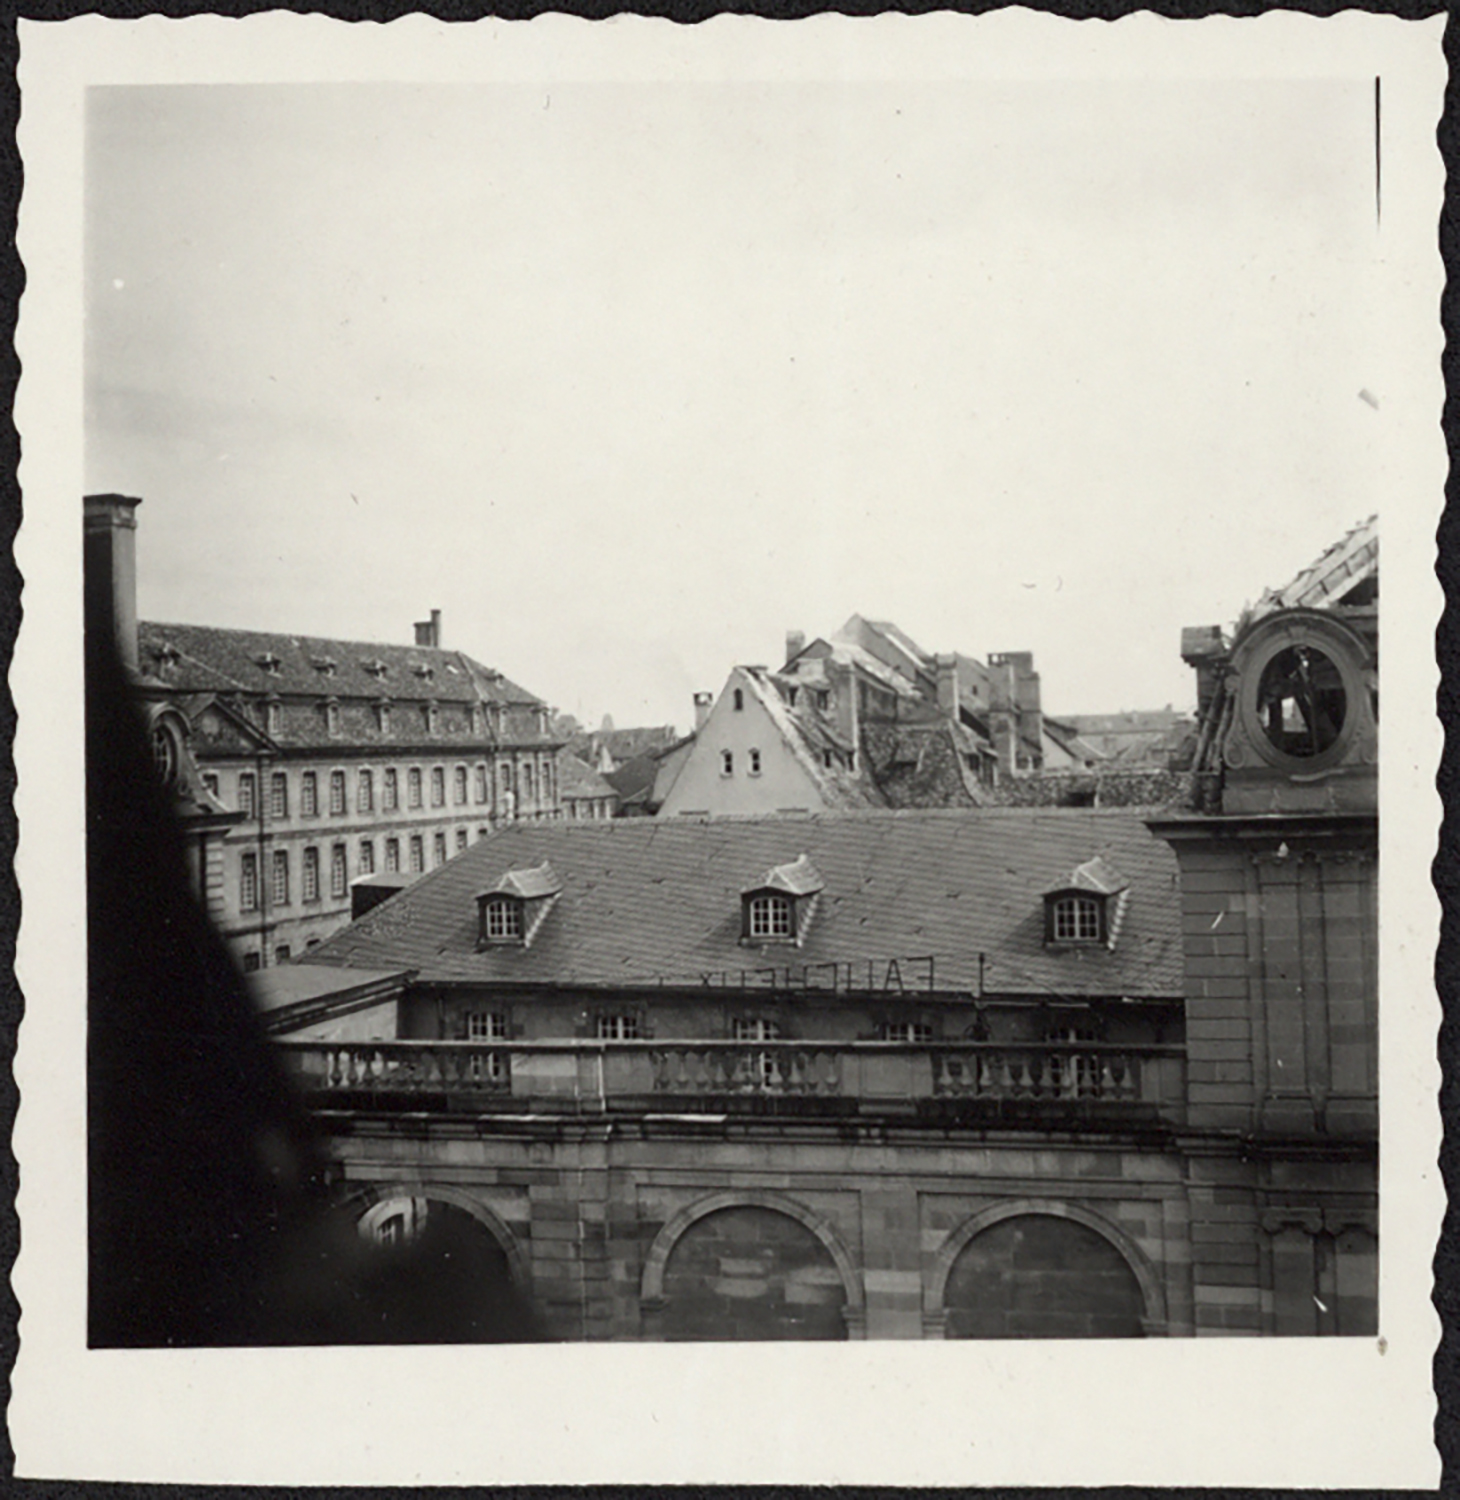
<point>512,911</point>
<point>1086,909</point>
<point>1078,919</point>
<point>424,671</point>
<point>375,668</point>
<point>768,918</point>
<point>778,908</point>
<point>167,654</point>
<point>324,665</point>
<point>502,920</point>
<point>269,662</point>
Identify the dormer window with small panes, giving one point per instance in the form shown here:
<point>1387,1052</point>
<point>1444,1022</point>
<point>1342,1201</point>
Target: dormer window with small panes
<point>331,717</point>
<point>273,716</point>
<point>1086,909</point>
<point>511,912</point>
<point>382,715</point>
<point>778,908</point>
<point>269,662</point>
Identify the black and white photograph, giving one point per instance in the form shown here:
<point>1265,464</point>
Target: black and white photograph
<point>727,688</point>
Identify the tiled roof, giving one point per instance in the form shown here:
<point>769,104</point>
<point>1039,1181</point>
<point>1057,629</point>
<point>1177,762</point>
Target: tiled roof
<point>1343,569</point>
<point>576,778</point>
<point>207,658</point>
<point>840,790</point>
<point>644,900</point>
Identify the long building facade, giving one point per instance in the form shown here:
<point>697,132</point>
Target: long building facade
<point>329,760</point>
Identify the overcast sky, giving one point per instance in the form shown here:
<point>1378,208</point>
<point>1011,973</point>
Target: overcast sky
<point>628,380</point>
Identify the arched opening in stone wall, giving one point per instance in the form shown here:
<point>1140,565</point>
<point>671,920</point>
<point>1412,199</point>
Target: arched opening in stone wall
<point>1038,1276</point>
<point>746,1272</point>
<point>436,1274</point>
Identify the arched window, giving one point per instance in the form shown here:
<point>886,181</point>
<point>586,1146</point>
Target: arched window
<point>501,920</point>
<point>768,916</point>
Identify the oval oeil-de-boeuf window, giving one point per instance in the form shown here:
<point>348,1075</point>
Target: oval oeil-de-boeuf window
<point>1301,702</point>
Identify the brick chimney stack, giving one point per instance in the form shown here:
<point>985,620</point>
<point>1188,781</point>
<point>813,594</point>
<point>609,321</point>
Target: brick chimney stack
<point>110,569</point>
<point>428,632</point>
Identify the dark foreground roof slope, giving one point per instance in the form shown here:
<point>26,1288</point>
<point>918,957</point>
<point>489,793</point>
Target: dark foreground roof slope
<point>644,901</point>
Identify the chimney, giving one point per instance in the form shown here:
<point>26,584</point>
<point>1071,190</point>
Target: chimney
<point>947,668</point>
<point>428,632</point>
<point>795,644</point>
<point>110,568</point>
<point>702,709</point>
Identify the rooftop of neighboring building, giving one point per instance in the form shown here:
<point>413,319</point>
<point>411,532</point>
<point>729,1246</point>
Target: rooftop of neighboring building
<point>211,658</point>
<point>641,901</point>
<point>577,779</point>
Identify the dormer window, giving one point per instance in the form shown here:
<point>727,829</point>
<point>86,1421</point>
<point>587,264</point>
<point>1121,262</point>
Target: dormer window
<point>382,715</point>
<point>324,665</point>
<point>512,911</point>
<point>768,918</point>
<point>1078,919</point>
<point>431,718</point>
<point>502,920</point>
<point>424,671</point>
<point>331,717</point>
<point>269,662</point>
<point>376,668</point>
<point>778,908</point>
<point>1085,910</point>
<point>273,716</point>
<point>166,654</point>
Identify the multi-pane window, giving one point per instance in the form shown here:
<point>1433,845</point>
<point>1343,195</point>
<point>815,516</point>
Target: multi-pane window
<point>438,786</point>
<point>382,717</point>
<point>727,762</point>
<point>392,856</point>
<point>247,793</point>
<point>482,787</point>
<point>339,872</point>
<point>460,784</point>
<point>248,883</point>
<point>337,793</point>
<point>905,1031</point>
<point>769,917</point>
<point>527,783</point>
<point>460,839</point>
<point>280,885</point>
<point>311,874</point>
<point>418,854</point>
<point>487,1026</point>
<point>502,919</point>
<point>390,792</point>
<point>1076,920</point>
<point>755,762</point>
<point>413,786</point>
<point>309,794</point>
<point>430,718</point>
<point>365,792</point>
<point>618,1028</point>
<point>273,718</point>
<point>763,1068</point>
<point>438,848</point>
<point>367,856</point>
<point>332,718</point>
<point>279,794</point>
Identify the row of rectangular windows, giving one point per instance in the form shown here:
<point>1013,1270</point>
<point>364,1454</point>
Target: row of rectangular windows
<point>491,1026</point>
<point>279,867</point>
<point>727,761</point>
<point>430,719</point>
<point>390,792</point>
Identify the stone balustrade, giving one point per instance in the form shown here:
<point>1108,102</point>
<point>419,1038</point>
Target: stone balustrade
<point>650,1075</point>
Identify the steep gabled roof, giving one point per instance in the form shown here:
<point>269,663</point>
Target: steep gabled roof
<point>1346,572</point>
<point>208,658</point>
<point>645,900</point>
<point>808,739</point>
